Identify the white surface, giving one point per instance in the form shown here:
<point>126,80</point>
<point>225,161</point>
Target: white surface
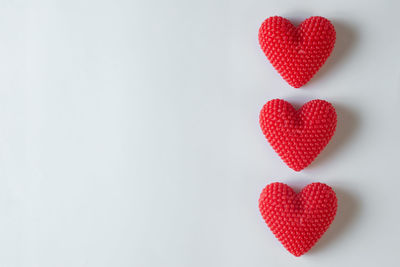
<point>129,133</point>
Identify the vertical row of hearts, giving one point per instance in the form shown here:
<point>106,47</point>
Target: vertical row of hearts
<point>298,220</point>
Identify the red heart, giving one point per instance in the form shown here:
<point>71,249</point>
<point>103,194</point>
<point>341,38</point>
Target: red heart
<point>298,220</point>
<point>297,53</point>
<point>298,136</point>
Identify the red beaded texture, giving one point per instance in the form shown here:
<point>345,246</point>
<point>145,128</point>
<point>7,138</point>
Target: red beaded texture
<point>297,53</point>
<point>298,220</point>
<point>298,136</point>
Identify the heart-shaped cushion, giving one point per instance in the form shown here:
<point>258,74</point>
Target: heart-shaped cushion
<point>298,220</point>
<point>297,53</point>
<point>298,136</point>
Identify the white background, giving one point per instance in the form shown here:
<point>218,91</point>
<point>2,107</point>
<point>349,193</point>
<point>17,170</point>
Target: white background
<point>129,133</point>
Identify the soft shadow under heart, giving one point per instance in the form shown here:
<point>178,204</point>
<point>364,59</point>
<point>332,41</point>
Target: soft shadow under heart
<point>347,125</point>
<point>348,209</point>
<point>346,39</point>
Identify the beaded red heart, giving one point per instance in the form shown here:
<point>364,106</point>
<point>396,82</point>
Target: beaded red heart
<point>298,220</point>
<point>298,136</point>
<point>297,53</point>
